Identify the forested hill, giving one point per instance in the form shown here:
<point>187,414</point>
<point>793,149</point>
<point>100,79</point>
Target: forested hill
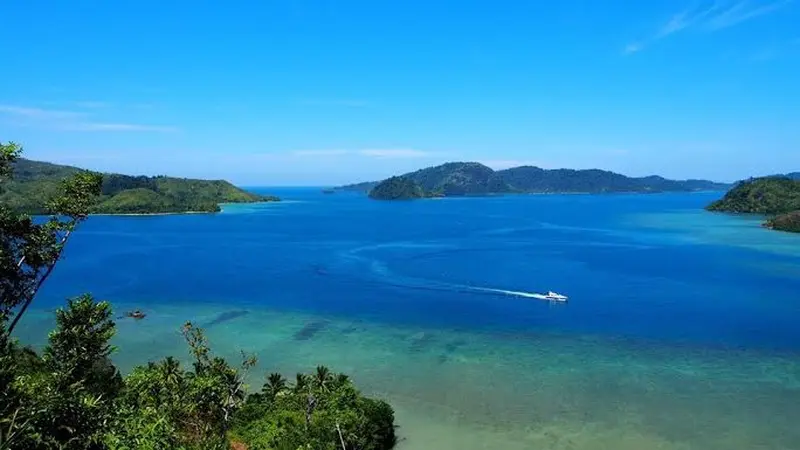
<point>469,178</point>
<point>778,197</point>
<point>35,182</point>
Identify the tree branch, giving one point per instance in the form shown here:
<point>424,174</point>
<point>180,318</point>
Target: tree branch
<point>40,282</point>
<point>341,438</point>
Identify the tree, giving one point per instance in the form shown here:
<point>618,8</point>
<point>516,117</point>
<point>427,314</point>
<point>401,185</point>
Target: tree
<point>275,384</point>
<point>68,403</point>
<point>166,406</point>
<point>323,411</point>
<point>322,378</point>
<point>29,249</point>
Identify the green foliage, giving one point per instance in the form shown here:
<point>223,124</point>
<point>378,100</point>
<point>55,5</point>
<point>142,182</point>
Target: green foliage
<point>770,195</point>
<point>36,182</point>
<point>322,411</point>
<point>397,188</point>
<point>164,405</point>
<point>79,347</point>
<point>9,153</point>
<point>785,222</point>
<point>29,249</point>
<point>459,178</point>
<point>64,400</point>
<point>469,178</point>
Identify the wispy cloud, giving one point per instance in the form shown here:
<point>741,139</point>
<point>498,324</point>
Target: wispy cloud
<point>633,47</point>
<point>38,113</point>
<point>709,17</point>
<point>102,126</point>
<point>743,11</point>
<point>385,153</point>
<point>64,120</point>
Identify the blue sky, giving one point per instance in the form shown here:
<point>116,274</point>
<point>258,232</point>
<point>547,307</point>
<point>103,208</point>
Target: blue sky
<point>327,92</point>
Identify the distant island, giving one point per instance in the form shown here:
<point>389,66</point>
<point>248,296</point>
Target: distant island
<point>397,188</point>
<point>472,178</point>
<point>774,196</point>
<point>34,182</point>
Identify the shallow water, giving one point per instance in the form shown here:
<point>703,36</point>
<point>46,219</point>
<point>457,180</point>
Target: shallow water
<point>681,331</point>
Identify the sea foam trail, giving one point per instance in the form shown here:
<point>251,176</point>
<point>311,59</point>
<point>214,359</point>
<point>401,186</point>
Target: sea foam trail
<point>379,269</point>
<point>507,292</point>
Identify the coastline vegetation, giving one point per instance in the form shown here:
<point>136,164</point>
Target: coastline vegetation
<point>70,395</point>
<point>785,222</point>
<point>777,197</point>
<point>35,182</point>
<point>397,188</point>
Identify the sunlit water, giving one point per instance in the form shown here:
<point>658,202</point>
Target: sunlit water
<point>682,330</point>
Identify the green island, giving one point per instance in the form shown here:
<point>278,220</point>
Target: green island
<point>397,188</point>
<point>35,182</point>
<point>70,396</point>
<point>472,178</point>
<point>775,196</point>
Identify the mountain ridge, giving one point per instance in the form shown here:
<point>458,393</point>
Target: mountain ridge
<point>472,178</point>
<point>34,182</point>
<point>777,197</point>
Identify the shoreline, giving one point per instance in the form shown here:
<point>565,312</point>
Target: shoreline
<point>181,213</point>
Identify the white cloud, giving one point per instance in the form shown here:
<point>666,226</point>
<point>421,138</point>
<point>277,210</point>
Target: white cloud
<point>70,120</point>
<point>715,16</point>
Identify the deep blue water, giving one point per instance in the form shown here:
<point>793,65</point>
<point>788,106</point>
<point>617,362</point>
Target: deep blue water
<point>636,267</point>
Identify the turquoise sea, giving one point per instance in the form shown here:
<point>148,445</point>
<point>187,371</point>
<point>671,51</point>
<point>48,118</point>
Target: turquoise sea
<point>682,330</point>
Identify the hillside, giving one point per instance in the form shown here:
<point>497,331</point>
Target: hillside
<point>793,175</point>
<point>459,178</point>
<point>469,178</point>
<point>785,222</point>
<point>771,196</point>
<point>397,188</point>
<point>35,182</point>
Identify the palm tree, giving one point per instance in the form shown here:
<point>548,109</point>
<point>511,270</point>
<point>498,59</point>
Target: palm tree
<point>322,378</point>
<point>171,371</point>
<point>340,380</point>
<point>275,385</point>
<point>301,383</point>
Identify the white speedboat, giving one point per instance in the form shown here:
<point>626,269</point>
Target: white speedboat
<point>555,297</point>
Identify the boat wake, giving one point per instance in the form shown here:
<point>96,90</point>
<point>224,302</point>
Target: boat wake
<point>384,276</point>
<point>512,293</point>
